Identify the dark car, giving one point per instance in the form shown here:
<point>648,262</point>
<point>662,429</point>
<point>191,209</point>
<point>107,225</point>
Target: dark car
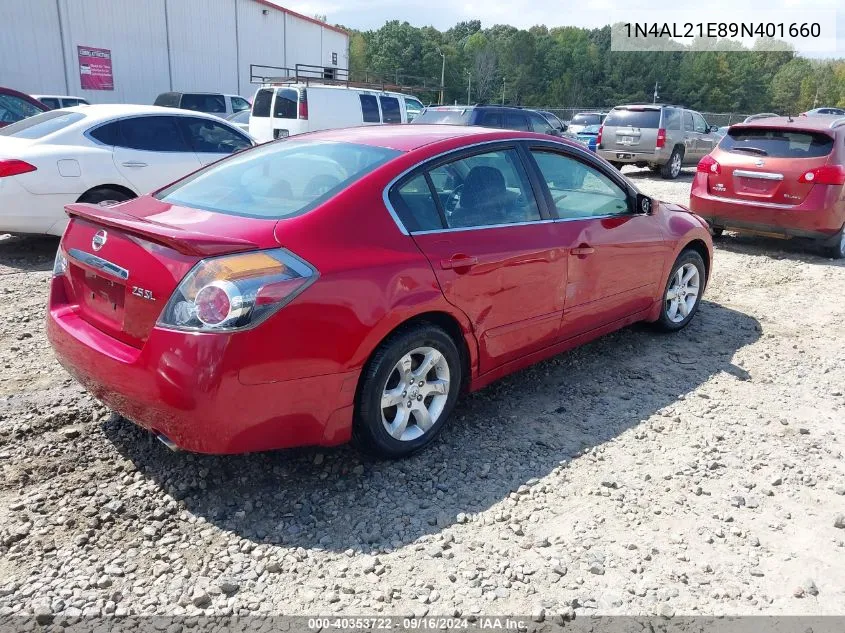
<point>501,117</point>
<point>15,106</point>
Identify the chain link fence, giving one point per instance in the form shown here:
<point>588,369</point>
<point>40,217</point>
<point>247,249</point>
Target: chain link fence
<point>713,118</point>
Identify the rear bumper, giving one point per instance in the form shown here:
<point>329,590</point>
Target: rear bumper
<point>186,387</point>
<point>631,156</point>
<point>25,212</point>
<point>820,216</point>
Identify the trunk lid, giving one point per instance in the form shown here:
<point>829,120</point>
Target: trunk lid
<point>125,261</point>
<point>765,165</point>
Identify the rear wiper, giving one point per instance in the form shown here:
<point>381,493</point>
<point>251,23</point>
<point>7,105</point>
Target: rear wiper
<point>753,150</point>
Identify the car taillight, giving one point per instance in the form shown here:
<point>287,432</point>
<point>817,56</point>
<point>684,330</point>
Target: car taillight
<point>13,167</point>
<point>827,175</point>
<point>60,263</point>
<point>709,165</point>
<point>598,136</point>
<point>661,138</point>
<point>303,104</point>
<point>236,292</point>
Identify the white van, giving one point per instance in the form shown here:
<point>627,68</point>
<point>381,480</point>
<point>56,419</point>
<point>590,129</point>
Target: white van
<point>289,109</point>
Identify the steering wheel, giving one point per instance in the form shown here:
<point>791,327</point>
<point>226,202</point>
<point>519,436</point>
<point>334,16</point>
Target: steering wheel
<point>453,199</point>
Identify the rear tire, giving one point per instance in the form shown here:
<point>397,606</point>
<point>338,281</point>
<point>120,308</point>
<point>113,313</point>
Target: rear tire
<point>682,292</point>
<point>104,194</point>
<point>400,407</point>
<point>837,251</point>
<point>672,168</point>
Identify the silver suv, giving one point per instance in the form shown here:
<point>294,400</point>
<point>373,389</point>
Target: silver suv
<point>662,137</point>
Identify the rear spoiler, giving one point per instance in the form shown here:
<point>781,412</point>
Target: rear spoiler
<point>185,241</point>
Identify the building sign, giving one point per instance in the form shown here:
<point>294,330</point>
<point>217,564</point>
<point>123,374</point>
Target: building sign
<point>95,72</point>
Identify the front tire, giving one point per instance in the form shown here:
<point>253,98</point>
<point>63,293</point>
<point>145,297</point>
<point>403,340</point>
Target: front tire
<point>672,169</point>
<point>682,292</point>
<point>407,392</point>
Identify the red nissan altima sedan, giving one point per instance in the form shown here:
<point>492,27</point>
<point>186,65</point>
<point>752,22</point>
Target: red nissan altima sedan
<point>350,284</point>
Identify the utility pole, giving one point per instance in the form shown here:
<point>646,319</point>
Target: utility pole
<point>442,76</point>
<point>504,79</point>
<point>469,86</point>
<point>656,86</point>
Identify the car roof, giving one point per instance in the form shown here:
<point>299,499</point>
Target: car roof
<point>408,138</point>
<point>106,111</point>
<point>818,123</point>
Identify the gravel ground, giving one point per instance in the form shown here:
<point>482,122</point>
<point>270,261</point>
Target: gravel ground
<point>697,473</point>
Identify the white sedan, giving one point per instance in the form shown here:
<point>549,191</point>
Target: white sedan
<point>101,153</point>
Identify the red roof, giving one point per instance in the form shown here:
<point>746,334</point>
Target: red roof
<point>272,5</point>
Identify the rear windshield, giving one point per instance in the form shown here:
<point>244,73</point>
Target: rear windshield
<point>41,125</point>
<point>277,180</point>
<point>633,118</point>
<point>444,116</point>
<point>586,119</point>
<point>777,143</point>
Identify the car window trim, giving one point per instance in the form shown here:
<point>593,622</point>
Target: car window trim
<point>453,155</point>
<point>119,119</point>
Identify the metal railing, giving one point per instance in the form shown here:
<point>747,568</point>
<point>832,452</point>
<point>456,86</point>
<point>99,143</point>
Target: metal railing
<point>310,74</point>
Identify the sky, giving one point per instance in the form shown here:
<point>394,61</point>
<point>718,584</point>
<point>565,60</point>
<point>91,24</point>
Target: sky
<point>442,14</point>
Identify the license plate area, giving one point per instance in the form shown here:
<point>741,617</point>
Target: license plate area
<point>625,140</point>
<point>102,296</point>
<point>623,156</point>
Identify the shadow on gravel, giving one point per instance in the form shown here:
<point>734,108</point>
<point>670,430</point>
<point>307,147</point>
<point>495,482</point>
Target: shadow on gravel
<point>795,249</point>
<point>27,253</point>
<point>508,435</point>
<point>634,173</point>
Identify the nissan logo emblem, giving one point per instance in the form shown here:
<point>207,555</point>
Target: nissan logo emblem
<point>99,240</point>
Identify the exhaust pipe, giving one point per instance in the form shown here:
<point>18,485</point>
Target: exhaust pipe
<point>170,444</point>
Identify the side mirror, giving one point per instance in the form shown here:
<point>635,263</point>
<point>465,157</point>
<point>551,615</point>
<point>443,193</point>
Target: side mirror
<point>644,205</point>
<point>714,128</point>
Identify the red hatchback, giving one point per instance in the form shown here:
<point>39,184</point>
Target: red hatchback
<point>351,283</point>
<point>777,176</point>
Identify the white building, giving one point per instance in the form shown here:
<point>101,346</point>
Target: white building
<point>130,51</point>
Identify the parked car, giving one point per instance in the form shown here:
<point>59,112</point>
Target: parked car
<point>296,108</point>
<point>352,283</point>
<point>661,137</point>
<point>501,117</point>
<point>584,119</point>
<point>15,106</point>
<point>777,176</point>
<point>589,136</point>
<point>100,153</point>
<point>824,111</point>
<point>240,120</point>
<point>208,102</point>
<point>56,102</point>
<point>557,125</point>
<point>721,131</point>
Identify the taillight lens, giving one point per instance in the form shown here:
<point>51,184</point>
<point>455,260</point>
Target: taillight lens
<point>661,138</point>
<point>827,175</point>
<point>13,167</point>
<point>709,165</point>
<point>598,136</point>
<point>60,263</point>
<point>236,292</point>
<point>303,104</point>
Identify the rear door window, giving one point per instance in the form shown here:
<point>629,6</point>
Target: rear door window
<point>287,102</point>
<point>625,117</point>
<point>153,134</point>
<point>491,119</point>
<point>108,134</point>
<point>262,103</point>
<point>369,109</point>
<point>390,111</point>
<point>516,121</point>
<point>689,125</point>
<point>416,206</point>
<point>671,119</point>
<point>777,143</point>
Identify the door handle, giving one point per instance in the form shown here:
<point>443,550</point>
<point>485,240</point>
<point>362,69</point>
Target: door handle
<point>133,163</point>
<point>458,261</point>
<point>582,251</point>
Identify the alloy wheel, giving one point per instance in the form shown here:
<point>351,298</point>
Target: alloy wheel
<point>682,293</point>
<point>676,164</point>
<point>415,394</point>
